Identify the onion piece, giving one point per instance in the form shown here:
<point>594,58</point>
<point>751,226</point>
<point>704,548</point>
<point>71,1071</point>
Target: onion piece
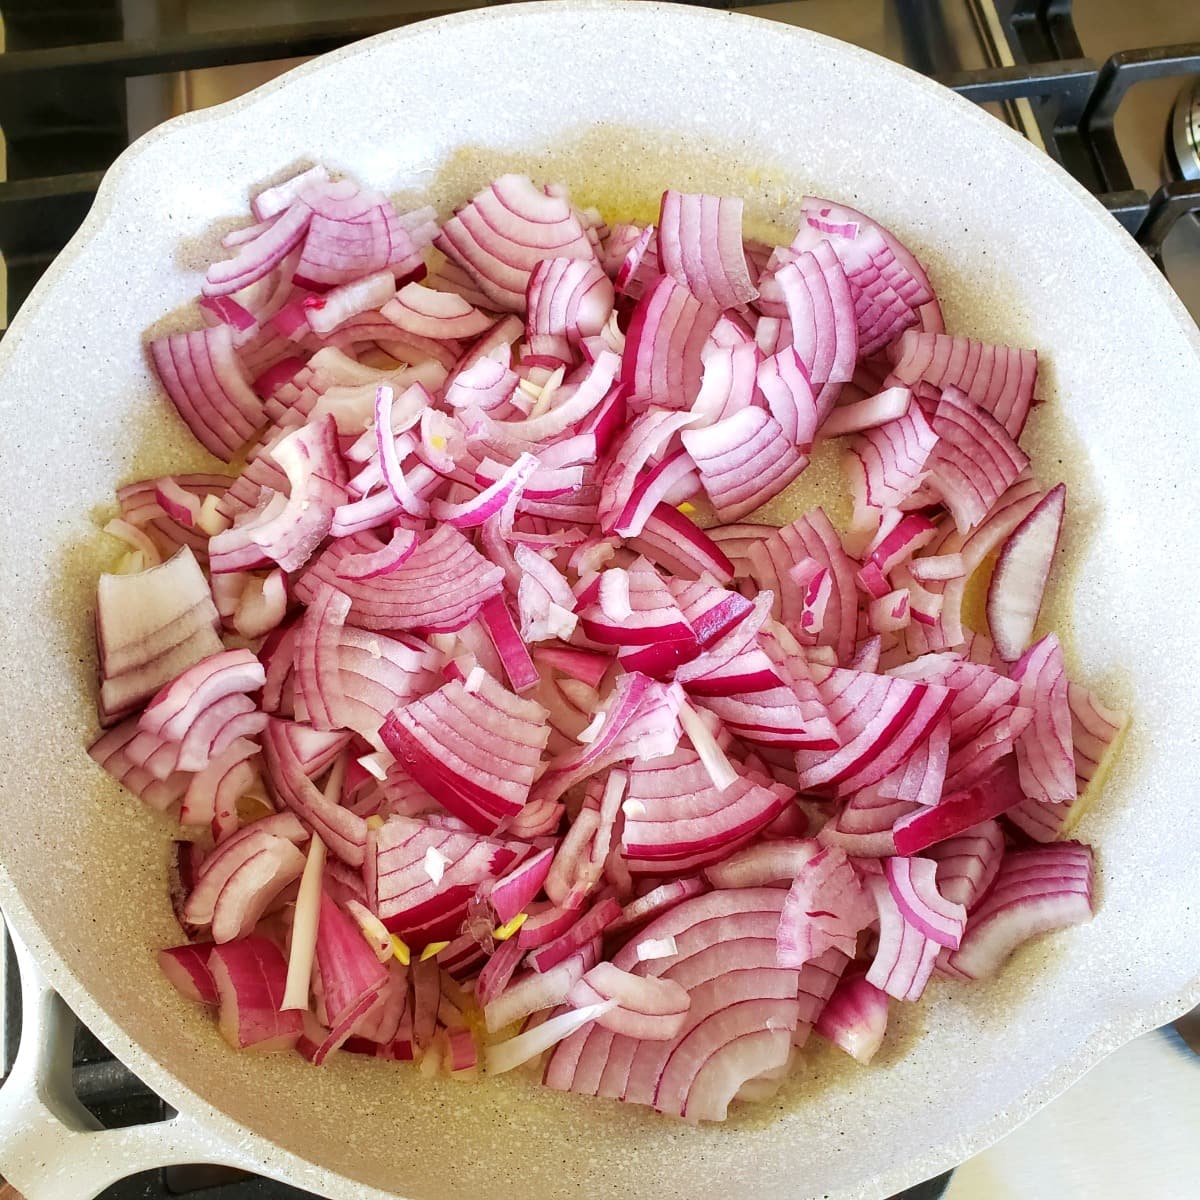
<point>304,929</point>
<point>991,797</point>
<point>505,231</point>
<point>975,460</point>
<point>1019,580</point>
<point>479,753</point>
<point>855,1018</point>
<point>1045,752</point>
<point>641,1006</point>
<point>187,969</point>
<point>661,365</point>
<point>700,246</point>
<point>504,1056</point>
<point>250,975</point>
<point>967,863</point>
<point>913,885</point>
<point>905,957</point>
<point>1035,891</point>
<point>824,909</point>
<point>1000,379</point>
<point>744,461</point>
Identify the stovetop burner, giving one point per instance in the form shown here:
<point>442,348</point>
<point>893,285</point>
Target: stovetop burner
<point>1183,137</point>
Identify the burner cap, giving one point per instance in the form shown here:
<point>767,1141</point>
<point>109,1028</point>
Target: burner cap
<point>1183,137</point>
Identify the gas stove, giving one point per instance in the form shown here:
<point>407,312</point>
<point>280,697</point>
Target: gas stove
<point>1110,89</point>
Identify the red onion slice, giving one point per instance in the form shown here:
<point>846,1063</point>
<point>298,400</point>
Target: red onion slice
<point>478,751</point>
<point>250,975</point>
<point>661,365</point>
<point>913,885</point>
<point>905,958</point>
<point>645,1007</point>
<point>700,246</point>
<point>505,231</point>
<point>855,1018</point>
<point>967,864</point>
<point>1045,752</point>
<point>1000,379</point>
<point>1035,891</point>
<point>975,460</point>
<point>824,909</point>
<point>744,461</point>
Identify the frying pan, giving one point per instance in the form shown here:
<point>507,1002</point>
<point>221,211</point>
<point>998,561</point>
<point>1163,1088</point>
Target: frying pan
<point>618,100</point>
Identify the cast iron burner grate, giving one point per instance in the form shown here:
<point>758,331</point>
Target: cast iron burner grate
<point>63,113</point>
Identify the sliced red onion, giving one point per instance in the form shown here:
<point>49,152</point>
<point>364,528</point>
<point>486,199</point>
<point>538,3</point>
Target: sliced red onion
<point>905,957</point>
<point>700,246</point>
<point>584,665</point>
<point>425,877</point>
<point>150,627</point>
<point>270,202</point>
<point>1035,891</point>
<point>888,463</point>
<point>785,384</point>
<point>744,461</point>
<point>533,991</point>
<point>774,862</point>
<point>880,721</point>
<point>250,975</point>
<point>975,460</point>
<point>485,384</point>
<point>811,536</point>
<point>958,811</point>
<point>187,969</point>
<point>644,1007</point>
<point>728,382</point>
<point>512,894</point>
<point>824,909</point>
<point>999,379</point>
<point>739,1023</point>
<point>505,231</point>
<point>661,365</point>
<point>395,554</point>
<point>491,500</point>
<point>640,720</point>
<point>580,934</point>
<point>967,864</point>
<point>259,254</point>
<point>477,751</point>
<point>348,968</point>
<point>674,812</point>
<point>667,530</point>
<point>654,637</point>
<point>420,310</point>
<point>889,405</point>
<point>212,794</point>
<point>855,1018</point>
<point>568,299</point>
<point>1019,580</point>
<point>1045,751</point>
<point>441,586</point>
<point>344,833</point>
<point>350,299</point>
<point>206,382</point>
<point>913,885</point>
<point>354,233</point>
<point>288,530</point>
<point>504,1056</point>
<point>820,309</point>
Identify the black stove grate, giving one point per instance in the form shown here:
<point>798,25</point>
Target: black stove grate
<point>63,113</point>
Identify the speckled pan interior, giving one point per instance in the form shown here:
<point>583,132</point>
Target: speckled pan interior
<point>618,100</point>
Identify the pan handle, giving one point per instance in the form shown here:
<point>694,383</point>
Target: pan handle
<point>51,1147</point>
